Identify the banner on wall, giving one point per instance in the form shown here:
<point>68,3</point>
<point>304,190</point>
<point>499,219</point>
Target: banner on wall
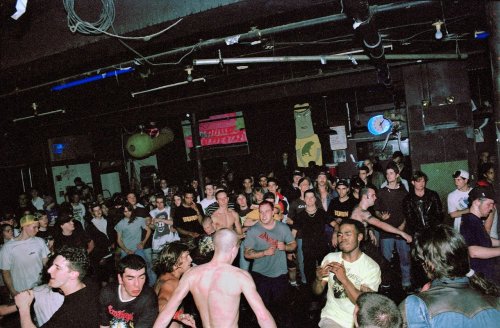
<point>216,132</point>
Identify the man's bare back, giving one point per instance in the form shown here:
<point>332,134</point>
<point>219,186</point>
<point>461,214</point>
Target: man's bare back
<point>216,288</point>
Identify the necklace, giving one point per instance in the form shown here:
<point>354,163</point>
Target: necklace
<point>311,215</point>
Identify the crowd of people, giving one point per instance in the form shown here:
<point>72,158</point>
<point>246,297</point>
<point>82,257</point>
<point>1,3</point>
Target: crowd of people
<point>342,243</point>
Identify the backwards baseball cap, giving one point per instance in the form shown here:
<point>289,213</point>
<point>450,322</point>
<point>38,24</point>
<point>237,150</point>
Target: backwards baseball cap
<point>461,173</point>
<point>28,219</point>
<point>343,182</point>
<point>481,193</point>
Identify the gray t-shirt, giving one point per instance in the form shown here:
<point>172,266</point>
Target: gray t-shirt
<point>24,260</point>
<point>260,239</point>
<point>131,234</point>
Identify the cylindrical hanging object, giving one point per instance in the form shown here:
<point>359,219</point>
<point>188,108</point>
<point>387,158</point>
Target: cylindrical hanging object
<point>141,145</point>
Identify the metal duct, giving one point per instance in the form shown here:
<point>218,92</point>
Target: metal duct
<point>359,11</point>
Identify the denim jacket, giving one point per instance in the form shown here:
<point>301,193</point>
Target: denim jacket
<point>451,303</point>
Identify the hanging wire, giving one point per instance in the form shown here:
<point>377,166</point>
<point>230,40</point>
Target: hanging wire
<point>106,19</point>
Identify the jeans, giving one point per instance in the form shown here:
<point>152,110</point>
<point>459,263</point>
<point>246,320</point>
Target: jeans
<point>300,260</point>
<point>387,245</point>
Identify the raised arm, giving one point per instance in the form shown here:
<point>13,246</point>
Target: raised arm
<point>388,228</point>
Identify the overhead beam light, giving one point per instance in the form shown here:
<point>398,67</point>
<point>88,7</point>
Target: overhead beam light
<point>439,34</point>
<point>92,78</point>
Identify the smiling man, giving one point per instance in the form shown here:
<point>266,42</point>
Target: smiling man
<point>66,273</point>
<point>348,274</point>
<point>131,303</point>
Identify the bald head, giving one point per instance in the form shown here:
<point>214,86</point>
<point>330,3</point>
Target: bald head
<point>224,240</point>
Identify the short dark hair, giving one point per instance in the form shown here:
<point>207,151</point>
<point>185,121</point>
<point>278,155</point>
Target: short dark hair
<point>266,202</point>
<point>376,310</point>
<point>309,191</point>
<point>160,196</point>
<point>364,168</point>
<point>169,256</point>
<point>269,195</point>
<point>189,191</point>
<point>392,166</point>
<point>77,258</point>
<point>417,175</point>
<point>131,261</point>
<point>360,229</point>
<point>273,180</point>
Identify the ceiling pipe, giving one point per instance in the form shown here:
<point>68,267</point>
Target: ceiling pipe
<point>364,24</point>
<point>321,59</point>
<point>253,35</point>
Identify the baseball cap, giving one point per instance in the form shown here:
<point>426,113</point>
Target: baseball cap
<point>481,192</point>
<point>461,173</point>
<point>343,182</point>
<point>297,172</point>
<point>28,219</point>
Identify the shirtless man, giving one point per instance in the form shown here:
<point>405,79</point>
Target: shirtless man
<point>216,288</point>
<point>225,217</point>
<point>360,213</point>
<point>172,262</point>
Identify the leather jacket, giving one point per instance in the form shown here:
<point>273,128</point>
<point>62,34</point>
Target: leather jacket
<point>422,212</point>
<point>451,303</point>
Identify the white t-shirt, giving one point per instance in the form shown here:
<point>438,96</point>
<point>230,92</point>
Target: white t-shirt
<point>363,271</point>
<point>458,201</point>
<point>24,260</point>
<point>206,202</point>
<point>38,203</point>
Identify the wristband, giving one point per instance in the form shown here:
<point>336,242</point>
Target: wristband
<point>178,314</point>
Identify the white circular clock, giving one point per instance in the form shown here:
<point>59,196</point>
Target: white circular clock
<point>378,125</point>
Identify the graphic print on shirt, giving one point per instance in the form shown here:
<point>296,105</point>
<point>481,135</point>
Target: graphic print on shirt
<point>121,318</point>
<point>272,242</point>
<point>337,287</point>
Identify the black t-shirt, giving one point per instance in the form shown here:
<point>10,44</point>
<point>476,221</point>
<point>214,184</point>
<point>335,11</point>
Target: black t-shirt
<point>141,312</point>
<point>474,233</point>
<point>187,219</point>
<point>341,210</point>
<point>76,239</point>
<point>312,229</point>
<point>391,201</point>
<point>79,310</point>
<point>47,234</point>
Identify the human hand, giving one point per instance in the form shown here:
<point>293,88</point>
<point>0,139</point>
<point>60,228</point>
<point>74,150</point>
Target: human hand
<point>187,319</point>
<point>339,270</point>
<point>385,215</point>
<point>24,299</point>
<point>140,245</point>
<point>407,237</point>
<point>335,240</point>
<point>373,238</point>
<point>281,246</point>
<point>322,271</point>
<point>270,251</point>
